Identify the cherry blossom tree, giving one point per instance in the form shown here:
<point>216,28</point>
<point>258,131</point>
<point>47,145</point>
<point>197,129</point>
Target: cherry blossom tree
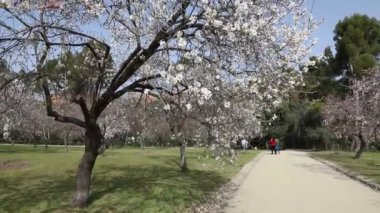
<point>238,40</point>
<point>227,111</point>
<point>356,116</point>
<point>13,96</point>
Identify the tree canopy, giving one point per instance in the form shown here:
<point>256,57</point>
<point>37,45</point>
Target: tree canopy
<point>357,43</point>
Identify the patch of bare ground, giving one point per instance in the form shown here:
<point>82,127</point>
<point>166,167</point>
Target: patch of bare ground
<point>13,164</point>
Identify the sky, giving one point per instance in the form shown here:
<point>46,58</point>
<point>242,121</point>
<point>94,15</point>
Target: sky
<point>332,11</point>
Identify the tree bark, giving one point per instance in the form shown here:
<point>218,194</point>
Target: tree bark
<point>210,137</point>
<point>183,160</point>
<point>362,145</point>
<point>93,142</point>
<point>66,139</point>
<point>355,145</point>
<point>65,142</point>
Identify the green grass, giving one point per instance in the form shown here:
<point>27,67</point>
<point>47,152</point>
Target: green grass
<point>124,180</point>
<point>368,165</point>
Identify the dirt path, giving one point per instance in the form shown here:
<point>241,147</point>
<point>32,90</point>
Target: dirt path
<point>292,182</point>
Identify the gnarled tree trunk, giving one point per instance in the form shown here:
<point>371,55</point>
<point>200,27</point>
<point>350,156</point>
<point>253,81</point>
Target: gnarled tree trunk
<point>362,144</point>
<point>93,142</point>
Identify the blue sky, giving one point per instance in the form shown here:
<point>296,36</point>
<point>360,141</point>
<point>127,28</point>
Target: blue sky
<point>334,10</point>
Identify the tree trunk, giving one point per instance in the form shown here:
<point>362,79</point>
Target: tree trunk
<point>65,142</point>
<point>142,145</point>
<point>353,144</point>
<point>66,139</point>
<point>359,153</point>
<point>357,144</point>
<point>93,142</point>
<point>362,145</point>
<point>210,137</point>
<point>35,141</point>
<point>46,134</point>
<point>125,140</point>
<point>183,161</point>
<point>83,180</point>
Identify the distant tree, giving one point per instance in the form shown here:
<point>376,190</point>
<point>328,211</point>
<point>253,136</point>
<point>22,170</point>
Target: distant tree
<point>299,125</point>
<point>320,80</point>
<point>357,42</point>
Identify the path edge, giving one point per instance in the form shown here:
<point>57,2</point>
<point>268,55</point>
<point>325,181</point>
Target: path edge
<point>349,173</point>
<point>216,201</point>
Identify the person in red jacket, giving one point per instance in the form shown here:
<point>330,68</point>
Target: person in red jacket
<point>272,145</point>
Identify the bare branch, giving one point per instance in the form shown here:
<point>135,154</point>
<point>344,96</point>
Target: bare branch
<point>55,114</point>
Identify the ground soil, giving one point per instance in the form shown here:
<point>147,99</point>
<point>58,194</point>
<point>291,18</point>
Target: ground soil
<point>12,164</point>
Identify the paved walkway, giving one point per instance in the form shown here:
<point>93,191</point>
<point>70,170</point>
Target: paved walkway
<point>292,182</point>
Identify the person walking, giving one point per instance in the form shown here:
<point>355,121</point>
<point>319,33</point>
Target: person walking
<point>272,145</point>
<point>278,146</point>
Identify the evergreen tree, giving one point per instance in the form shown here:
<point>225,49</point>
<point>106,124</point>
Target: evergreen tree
<point>357,42</point>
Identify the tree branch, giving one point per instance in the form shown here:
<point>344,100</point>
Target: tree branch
<point>55,114</point>
<point>81,102</point>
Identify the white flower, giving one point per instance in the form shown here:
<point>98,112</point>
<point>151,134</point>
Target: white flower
<point>167,107</point>
<point>180,67</point>
<point>163,74</point>
<point>192,19</point>
<point>206,93</point>
<point>227,104</point>
<point>171,79</point>
<point>277,103</point>
<point>274,117</point>
<point>179,77</point>
<point>253,32</point>
<point>188,107</point>
<point>146,91</point>
<point>311,63</point>
<point>182,43</point>
<point>217,23</point>
<point>197,84</point>
<point>162,43</point>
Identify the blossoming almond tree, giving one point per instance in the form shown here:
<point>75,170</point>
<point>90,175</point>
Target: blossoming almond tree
<point>356,116</point>
<point>13,92</point>
<point>148,40</point>
<point>227,109</point>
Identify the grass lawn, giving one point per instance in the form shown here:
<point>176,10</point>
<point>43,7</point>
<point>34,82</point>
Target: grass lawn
<point>368,165</point>
<point>124,180</point>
